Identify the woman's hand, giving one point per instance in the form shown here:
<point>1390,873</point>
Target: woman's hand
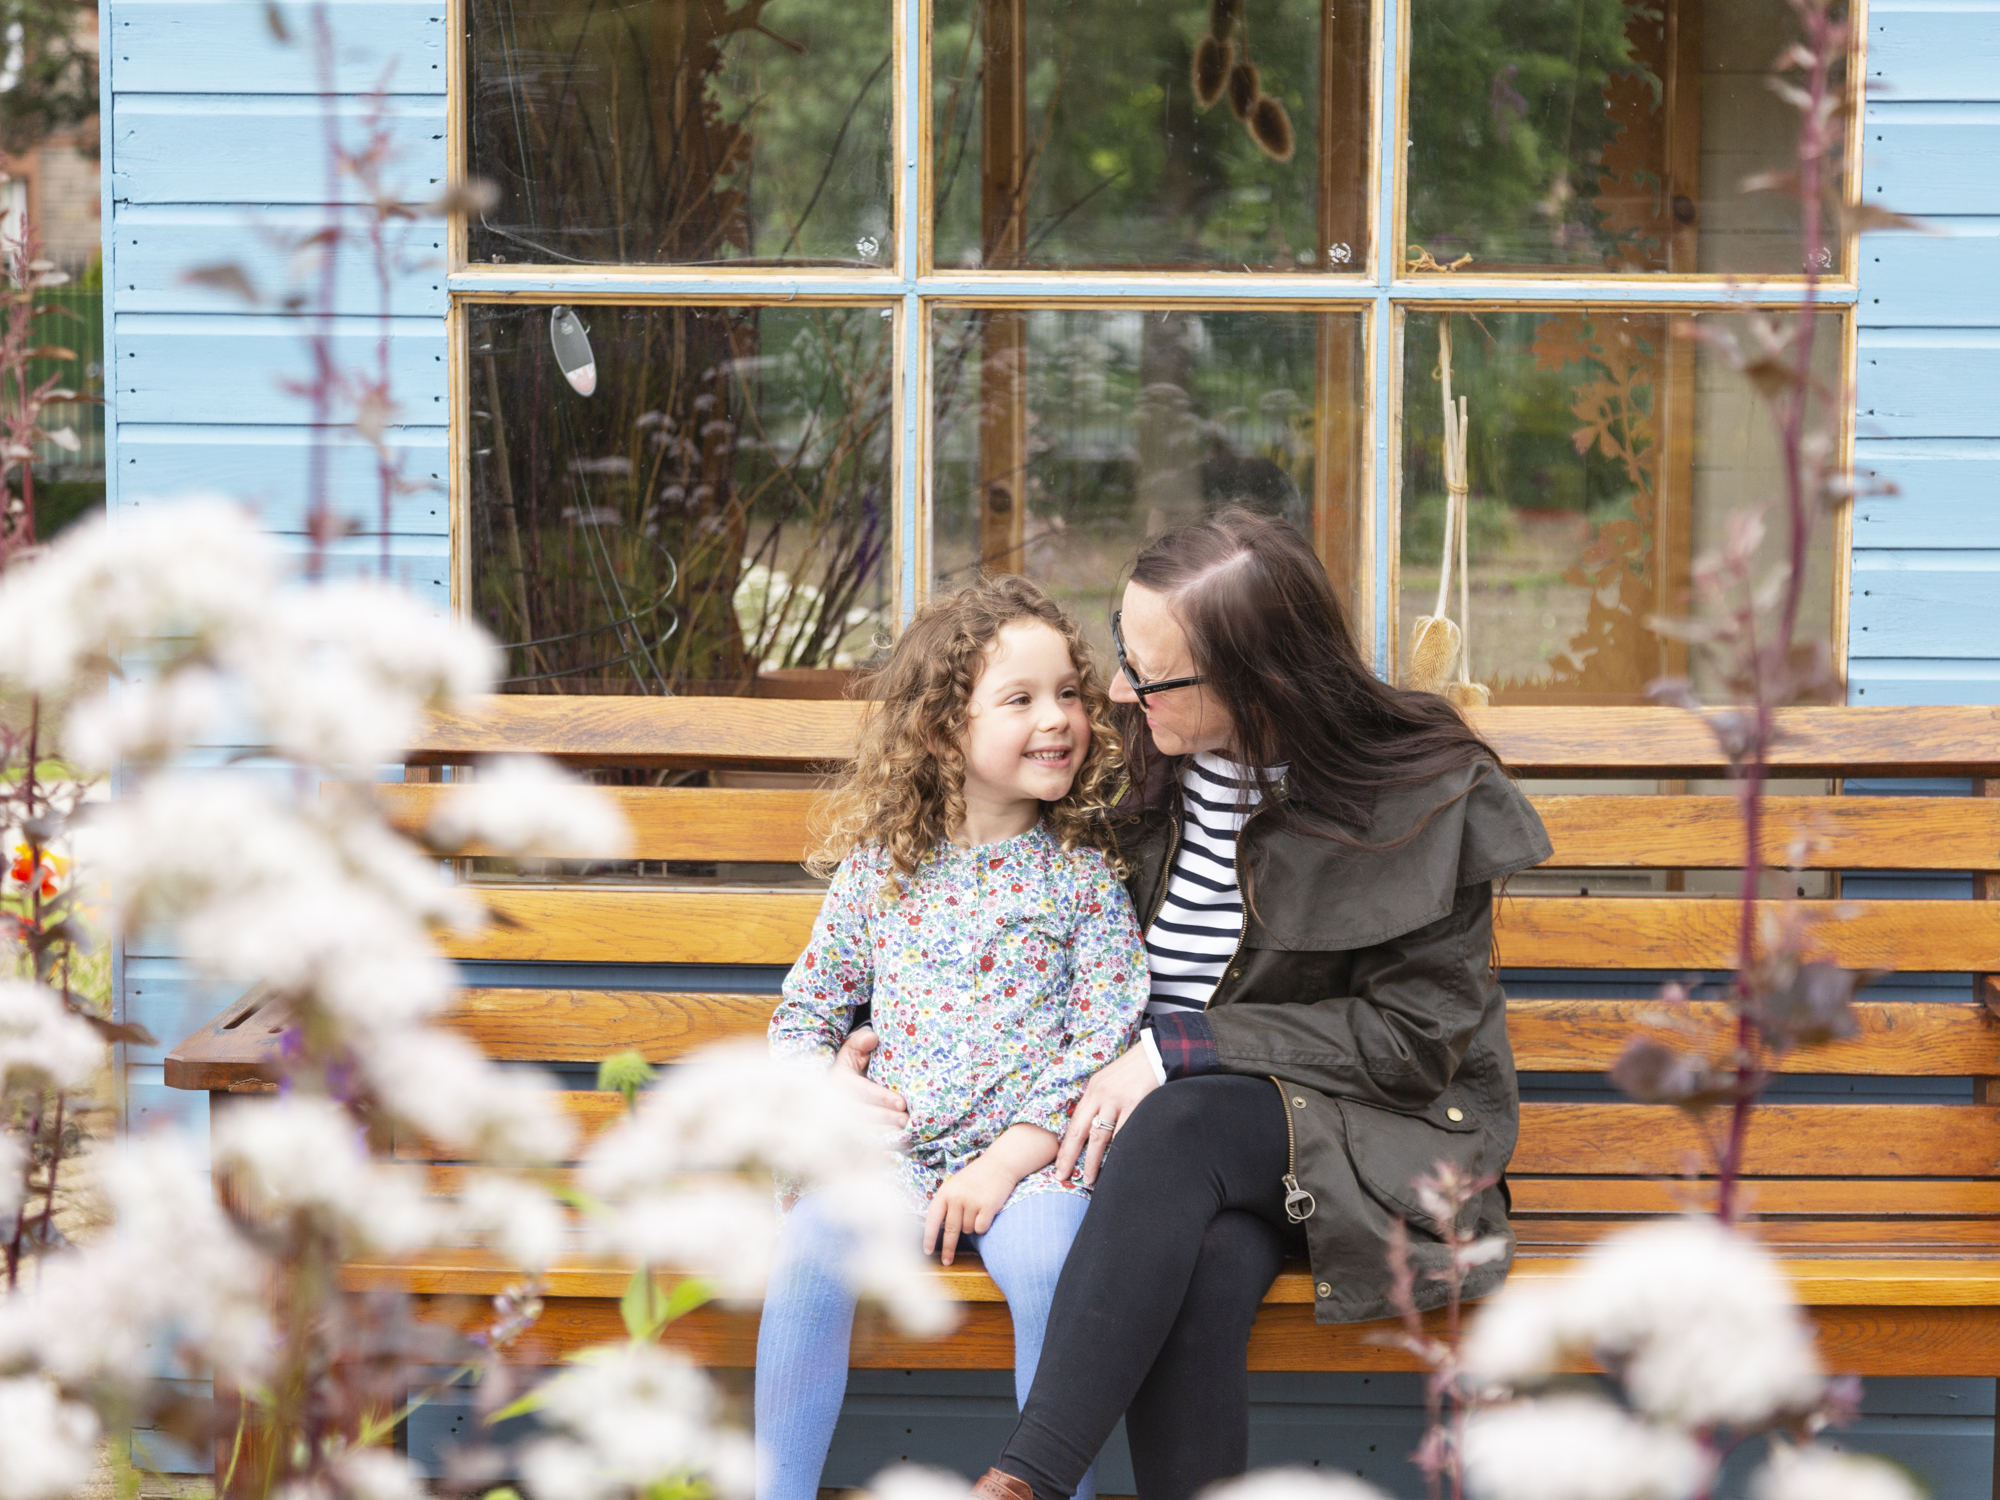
<point>1111,1095</point>
<point>850,1069</point>
<point>970,1199</point>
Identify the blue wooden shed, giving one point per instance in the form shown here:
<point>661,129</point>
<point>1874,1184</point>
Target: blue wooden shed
<point>766,319</point>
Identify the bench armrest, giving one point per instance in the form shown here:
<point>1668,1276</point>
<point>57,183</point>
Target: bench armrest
<point>237,1052</point>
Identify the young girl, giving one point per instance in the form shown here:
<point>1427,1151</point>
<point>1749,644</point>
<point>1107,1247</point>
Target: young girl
<point>998,954</point>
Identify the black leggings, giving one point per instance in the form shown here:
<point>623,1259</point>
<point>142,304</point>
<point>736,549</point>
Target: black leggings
<point>1151,1318</point>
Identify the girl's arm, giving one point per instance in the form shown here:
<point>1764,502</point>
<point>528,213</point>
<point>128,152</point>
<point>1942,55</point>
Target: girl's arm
<point>1107,997</point>
<point>837,970</point>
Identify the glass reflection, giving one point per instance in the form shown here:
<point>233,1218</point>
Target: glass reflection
<point>1065,440</point>
<point>685,131</point>
<point>1600,135</point>
<point>1224,133</point>
<point>1604,453</point>
<point>711,516</point>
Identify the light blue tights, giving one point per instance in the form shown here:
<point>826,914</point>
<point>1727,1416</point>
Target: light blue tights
<point>802,1344</point>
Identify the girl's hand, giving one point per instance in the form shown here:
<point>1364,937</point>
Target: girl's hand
<point>1111,1095</point>
<point>968,1201</point>
<point>850,1068</point>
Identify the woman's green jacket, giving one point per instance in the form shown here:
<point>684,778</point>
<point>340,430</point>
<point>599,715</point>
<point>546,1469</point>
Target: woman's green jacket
<point>1364,981</point>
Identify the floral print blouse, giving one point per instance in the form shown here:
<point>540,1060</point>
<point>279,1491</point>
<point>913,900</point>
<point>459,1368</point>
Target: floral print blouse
<point>1004,978</point>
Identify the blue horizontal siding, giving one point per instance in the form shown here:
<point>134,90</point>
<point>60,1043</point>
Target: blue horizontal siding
<point>1929,603</point>
<point>265,468</point>
<point>217,46</point>
<point>1920,279</point>
<point>1947,494</point>
<point>158,246</point>
<point>1932,158</point>
<point>1919,50</point>
<point>224,148</point>
<point>1929,382</point>
<point>171,367</point>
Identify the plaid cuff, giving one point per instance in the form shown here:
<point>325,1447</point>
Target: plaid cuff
<point>1187,1046</point>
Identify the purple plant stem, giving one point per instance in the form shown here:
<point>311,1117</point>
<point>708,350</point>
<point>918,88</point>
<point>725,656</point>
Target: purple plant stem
<point>1825,39</point>
<point>325,373</point>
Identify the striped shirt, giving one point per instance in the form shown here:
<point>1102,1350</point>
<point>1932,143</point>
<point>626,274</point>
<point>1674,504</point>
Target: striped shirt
<point>1200,921</point>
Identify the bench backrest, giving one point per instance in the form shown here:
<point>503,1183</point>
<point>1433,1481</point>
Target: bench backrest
<point>1581,1160</point>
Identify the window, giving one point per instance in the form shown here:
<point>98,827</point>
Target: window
<point>790,313</point>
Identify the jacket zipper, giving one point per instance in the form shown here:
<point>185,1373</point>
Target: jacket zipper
<point>1299,1204</point>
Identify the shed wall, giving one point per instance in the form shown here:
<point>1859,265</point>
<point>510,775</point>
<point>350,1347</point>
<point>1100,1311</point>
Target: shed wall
<point>215,150</point>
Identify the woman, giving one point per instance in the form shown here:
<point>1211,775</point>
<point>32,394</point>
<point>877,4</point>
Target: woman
<point>1325,1024</point>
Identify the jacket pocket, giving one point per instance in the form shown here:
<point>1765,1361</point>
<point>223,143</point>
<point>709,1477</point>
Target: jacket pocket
<point>1390,1151</point>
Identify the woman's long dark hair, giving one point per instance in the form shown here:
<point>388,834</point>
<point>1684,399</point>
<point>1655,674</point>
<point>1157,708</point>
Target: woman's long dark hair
<point>1267,632</point>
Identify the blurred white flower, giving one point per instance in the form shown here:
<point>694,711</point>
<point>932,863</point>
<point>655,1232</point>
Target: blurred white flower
<point>524,805</point>
<point>735,1107</point>
<point>1699,1320</point>
<point>147,718</point>
<point>522,1220</point>
<point>338,674</point>
<point>1821,1474</point>
<point>377,1474</point>
<point>442,1085</point>
<point>1577,1448</point>
<point>190,574</point>
<point>638,1414</point>
<point>48,1446</point>
<point>173,1268</point>
<point>41,1044</point>
<point>1294,1484</point>
<point>303,1154</point>
<point>12,1152</point>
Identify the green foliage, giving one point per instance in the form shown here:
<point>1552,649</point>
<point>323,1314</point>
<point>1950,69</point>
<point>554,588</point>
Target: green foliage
<point>57,88</point>
<point>627,1072</point>
<point>646,1312</point>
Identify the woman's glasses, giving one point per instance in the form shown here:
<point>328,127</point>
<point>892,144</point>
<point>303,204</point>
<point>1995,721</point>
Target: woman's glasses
<point>1143,690</point>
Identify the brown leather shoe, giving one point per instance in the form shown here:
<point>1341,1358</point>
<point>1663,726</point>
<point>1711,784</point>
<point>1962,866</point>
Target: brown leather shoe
<point>993,1485</point>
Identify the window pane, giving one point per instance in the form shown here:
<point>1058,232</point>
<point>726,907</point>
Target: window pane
<point>678,498</point>
<point>1065,440</point>
<point>1600,135</point>
<point>1603,455</point>
<point>684,131</point>
<point>1071,133</point>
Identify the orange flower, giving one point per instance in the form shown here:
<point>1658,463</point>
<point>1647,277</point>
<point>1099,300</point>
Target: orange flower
<point>25,870</point>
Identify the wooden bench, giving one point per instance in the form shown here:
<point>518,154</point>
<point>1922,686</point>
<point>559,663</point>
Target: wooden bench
<point>1888,1214</point>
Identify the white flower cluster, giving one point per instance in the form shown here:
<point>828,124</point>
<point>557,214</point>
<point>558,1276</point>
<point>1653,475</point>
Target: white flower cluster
<point>1293,1484</point>
<point>523,806</point>
<point>43,1046</point>
<point>172,1269</point>
<point>671,1174</point>
<point>1578,1448</point>
<point>1698,1319</point>
<point>48,1446</point>
<point>631,1416</point>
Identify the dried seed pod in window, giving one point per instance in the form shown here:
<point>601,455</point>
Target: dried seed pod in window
<point>1271,128</point>
<point>1222,18</point>
<point>1211,70</point>
<point>1244,87</point>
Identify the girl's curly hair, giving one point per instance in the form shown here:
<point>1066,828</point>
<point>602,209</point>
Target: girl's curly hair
<point>906,787</point>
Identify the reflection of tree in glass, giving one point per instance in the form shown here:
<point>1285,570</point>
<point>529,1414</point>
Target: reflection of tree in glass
<point>1616,652</point>
<point>687,131</point>
<point>1513,106</point>
<point>1121,166</point>
<point>718,506</point>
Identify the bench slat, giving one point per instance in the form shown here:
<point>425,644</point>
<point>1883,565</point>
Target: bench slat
<point>1589,832</point>
<point>1662,742</point>
<point>1550,1036</point>
<point>1642,1140</point>
<point>1866,1340</point>
<point>1632,1196</point>
<point>1916,1038</point>
<point>1785,1140</point>
<point>577,924</point>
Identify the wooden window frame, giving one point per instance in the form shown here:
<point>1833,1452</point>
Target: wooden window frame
<point>912,287</point>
